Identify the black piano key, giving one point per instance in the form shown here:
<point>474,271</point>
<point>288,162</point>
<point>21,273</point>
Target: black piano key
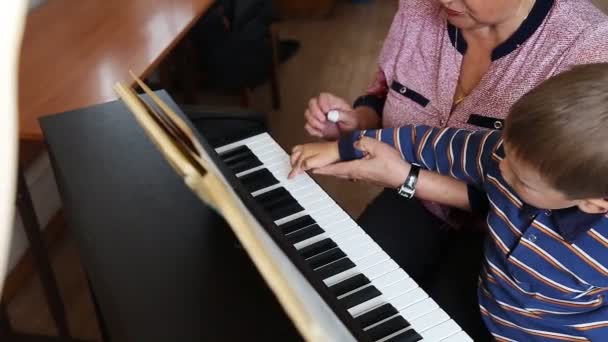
<point>303,234</point>
<point>409,335</point>
<point>235,151</point>
<point>297,224</point>
<point>268,199</point>
<point>349,284</point>
<point>386,328</point>
<point>245,164</point>
<point>236,157</point>
<point>334,268</point>
<point>316,248</point>
<point>361,296</point>
<point>258,180</point>
<point>284,209</point>
<point>376,315</point>
<point>326,257</point>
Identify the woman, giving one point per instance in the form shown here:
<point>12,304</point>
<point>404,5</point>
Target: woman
<point>459,63</point>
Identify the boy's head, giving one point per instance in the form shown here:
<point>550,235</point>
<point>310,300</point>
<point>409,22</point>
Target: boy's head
<point>556,142</point>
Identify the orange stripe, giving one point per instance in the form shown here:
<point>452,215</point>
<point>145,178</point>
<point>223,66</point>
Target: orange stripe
<point>548,300</point>
<point>596,291</point>
<point>591,327</point>
<point>504,192</point>
<point>495,157</point>
<point>539,253</point>
<point>597,238</point>
<point>413,130</point>
<point>511,325</point>
<point>572,249</point>
<point>504,307</point>
<point>422,143</point>
<point>479,154</point>
<point>538,277</point>
<point>462,158</point>
<point>439,135</point>
<point>497,242</point>
<point>505,220</point>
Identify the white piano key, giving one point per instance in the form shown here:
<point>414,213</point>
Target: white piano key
<point>264,190</point>
<point>341,276</point>
<point>337,227</point>
<point>381,269</point>
<point>389,279</point>
<point>388,292</point>
<point>317,204</point>
<point>290,218</point>
<point>429,320</point>
<point>460,336</point>
<point>361,266</point>
<point>398,288</point>
<point>317,238</point>
<point>246,141</point>
<point>246,172</point>
<point>365,306</point>
<point>440,332</point>
<point>386,338</point>
<point>360,248</point>
<point>418,308</point>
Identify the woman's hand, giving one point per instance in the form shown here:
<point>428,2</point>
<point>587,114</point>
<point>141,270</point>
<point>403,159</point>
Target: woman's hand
<point>316,117</point>
<point>382,165</point>
<point>313,155</point>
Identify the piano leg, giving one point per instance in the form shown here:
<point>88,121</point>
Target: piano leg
<point>41,257</point>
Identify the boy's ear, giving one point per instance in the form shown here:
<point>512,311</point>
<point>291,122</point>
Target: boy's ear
<point>594,205</point>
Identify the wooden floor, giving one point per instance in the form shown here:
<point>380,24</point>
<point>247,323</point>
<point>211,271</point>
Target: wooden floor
<point>337,55</point>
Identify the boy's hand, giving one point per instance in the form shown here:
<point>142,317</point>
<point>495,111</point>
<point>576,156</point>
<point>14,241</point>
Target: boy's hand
<point>312,156</point>
<point>382,165</point>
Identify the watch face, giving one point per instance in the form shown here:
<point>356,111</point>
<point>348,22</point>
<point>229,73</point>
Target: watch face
<point>405,191</point>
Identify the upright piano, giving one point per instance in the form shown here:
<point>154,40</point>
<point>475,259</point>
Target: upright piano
<point>165,267</point>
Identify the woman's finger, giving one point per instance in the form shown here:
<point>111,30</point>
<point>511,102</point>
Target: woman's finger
<point>313,121</point>
<point>315,110</point>
<point>312,131</point>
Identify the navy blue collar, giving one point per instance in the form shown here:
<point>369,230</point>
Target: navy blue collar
<point>537,15</point>
<point>569,222</point>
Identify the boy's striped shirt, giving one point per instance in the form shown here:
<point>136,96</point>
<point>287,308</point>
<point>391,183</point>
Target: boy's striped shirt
<point>545,273</point>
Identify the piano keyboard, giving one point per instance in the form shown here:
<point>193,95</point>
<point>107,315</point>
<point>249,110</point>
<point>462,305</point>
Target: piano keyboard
<point>383,300</point>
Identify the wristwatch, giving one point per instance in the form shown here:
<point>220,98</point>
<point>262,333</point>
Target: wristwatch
<point>408,188</point>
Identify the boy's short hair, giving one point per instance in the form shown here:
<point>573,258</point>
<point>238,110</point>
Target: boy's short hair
<point>561,128</point>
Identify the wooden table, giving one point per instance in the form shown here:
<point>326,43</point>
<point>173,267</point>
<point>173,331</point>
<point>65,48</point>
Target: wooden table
<point>74,51</point>
<point>72,54</point>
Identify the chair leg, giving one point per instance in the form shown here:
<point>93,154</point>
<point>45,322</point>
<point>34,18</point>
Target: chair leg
<point>274,68</point>
<point>41,257</point>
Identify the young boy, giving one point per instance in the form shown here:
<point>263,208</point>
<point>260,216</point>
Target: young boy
<point>544,275</point>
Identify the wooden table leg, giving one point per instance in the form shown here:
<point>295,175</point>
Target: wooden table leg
<point>41,257</point>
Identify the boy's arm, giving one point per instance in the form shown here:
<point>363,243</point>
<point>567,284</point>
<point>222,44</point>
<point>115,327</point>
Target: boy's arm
<point>432,186</point>
<point>458,153</point>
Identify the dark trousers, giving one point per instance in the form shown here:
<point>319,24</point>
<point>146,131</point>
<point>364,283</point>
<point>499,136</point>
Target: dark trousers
<point>444,262</point>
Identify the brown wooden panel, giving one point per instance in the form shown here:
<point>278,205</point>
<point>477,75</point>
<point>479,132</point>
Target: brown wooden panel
<point>304,8</point>
<point>74,51</point>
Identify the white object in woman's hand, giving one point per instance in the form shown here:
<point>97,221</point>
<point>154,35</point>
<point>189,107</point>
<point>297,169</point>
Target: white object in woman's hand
<point>333,116</point>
